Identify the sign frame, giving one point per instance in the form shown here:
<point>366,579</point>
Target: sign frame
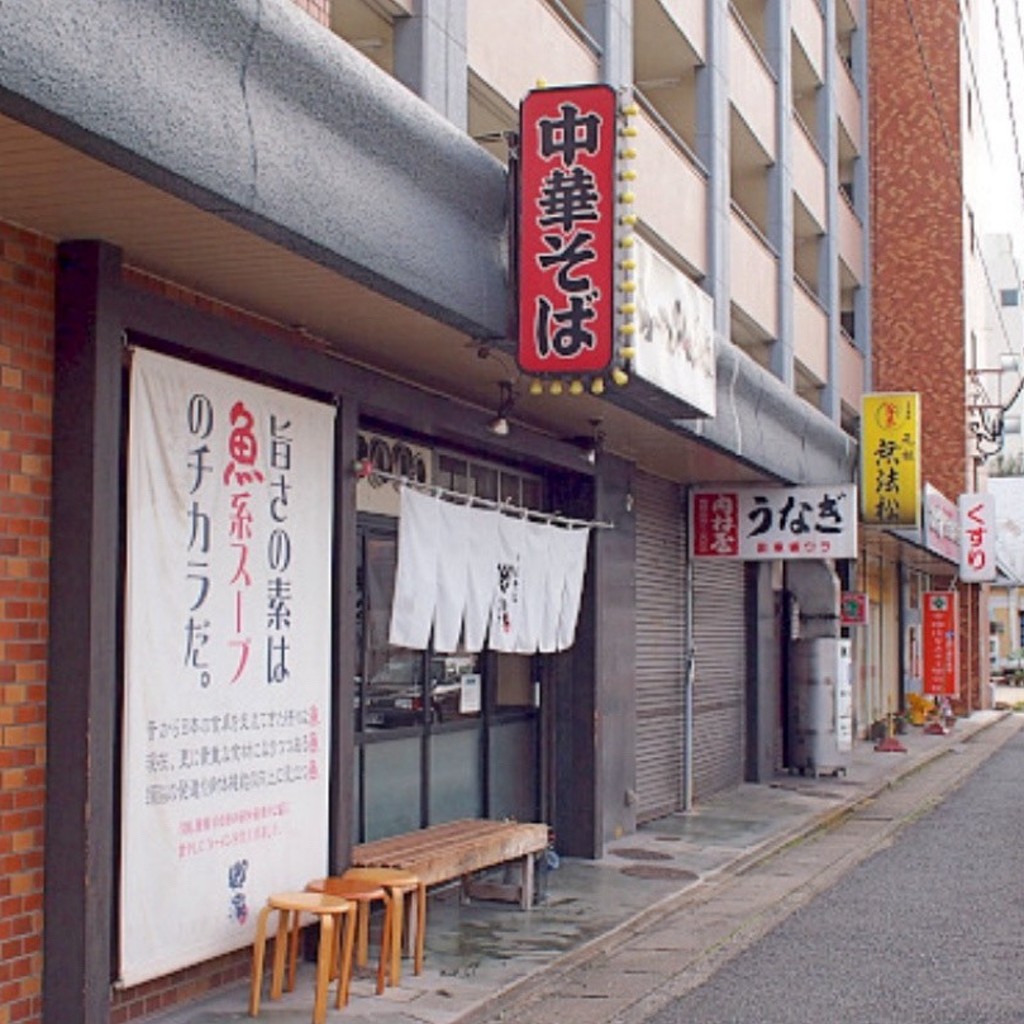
<point>787,522</point>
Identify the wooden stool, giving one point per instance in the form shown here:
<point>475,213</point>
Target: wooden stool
<point>400,884</point>
<point>290,905</point>
<point>363,894</point>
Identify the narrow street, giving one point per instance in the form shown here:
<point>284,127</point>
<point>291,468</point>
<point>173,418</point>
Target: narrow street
<point>902,910</point>
<point>928,928</point>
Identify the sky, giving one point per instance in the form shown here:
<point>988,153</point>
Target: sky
<point>1002,114</point>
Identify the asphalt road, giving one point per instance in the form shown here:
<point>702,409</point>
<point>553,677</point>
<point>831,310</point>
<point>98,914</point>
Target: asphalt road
<point>929,928</point>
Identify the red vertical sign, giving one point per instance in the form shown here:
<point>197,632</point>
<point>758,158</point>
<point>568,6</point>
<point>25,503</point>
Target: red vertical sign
<point>567,140</point>
<point>941,641</point>
<point>715,524</point>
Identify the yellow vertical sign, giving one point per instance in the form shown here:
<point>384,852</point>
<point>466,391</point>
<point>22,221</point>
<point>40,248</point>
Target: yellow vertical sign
<point>890,459</point>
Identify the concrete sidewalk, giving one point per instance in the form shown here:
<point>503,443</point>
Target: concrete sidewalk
<point>484,959</point>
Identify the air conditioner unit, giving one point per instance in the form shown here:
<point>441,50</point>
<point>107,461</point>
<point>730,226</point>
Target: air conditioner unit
<point>391,458</point>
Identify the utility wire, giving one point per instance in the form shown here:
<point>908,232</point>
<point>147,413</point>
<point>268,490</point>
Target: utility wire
<point>976,82</point>
<point>1009,91</point>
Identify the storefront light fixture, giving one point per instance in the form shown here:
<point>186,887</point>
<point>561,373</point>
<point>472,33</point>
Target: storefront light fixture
<point>499,425</point>
<point>595,443</point>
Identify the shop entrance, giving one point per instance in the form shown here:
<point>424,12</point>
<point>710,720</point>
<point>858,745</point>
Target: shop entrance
<point>437,737</point>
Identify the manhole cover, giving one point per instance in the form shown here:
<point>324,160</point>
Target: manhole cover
<point>658,871</point>
<point>639,853</point>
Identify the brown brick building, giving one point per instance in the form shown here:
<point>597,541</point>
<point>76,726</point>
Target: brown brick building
<point>925,252</point>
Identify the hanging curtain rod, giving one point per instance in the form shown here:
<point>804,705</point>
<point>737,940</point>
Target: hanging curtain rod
<point>365,472</point>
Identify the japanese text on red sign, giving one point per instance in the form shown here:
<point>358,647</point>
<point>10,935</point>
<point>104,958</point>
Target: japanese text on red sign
<point>566,232</point>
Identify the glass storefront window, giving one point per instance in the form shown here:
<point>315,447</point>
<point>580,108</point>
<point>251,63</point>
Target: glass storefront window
<point>532,493</point>
<point>394,693</point>
<point>456,684</point>
<point>456,782</point>
<point>452,473</point>
<point>393,787</point>
<point>485,482</point>
<point>514,681</point>
<point>424,720</point>
<point>511,492</point>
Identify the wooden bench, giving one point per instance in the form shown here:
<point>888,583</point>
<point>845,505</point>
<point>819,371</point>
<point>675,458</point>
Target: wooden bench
<point>457,850</point>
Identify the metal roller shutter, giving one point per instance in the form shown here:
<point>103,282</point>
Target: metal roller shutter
<point>661,620</point>
<point>719,687</point>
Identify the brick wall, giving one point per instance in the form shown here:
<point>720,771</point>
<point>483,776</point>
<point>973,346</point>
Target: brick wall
<point>918,240</point>
<point>161,994</point>
<point>917,235</point>
<point>318,9</point>
<point>27,265</point>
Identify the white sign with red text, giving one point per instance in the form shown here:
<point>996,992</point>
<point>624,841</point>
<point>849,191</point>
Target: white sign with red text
<point>759,523</point>
<point>977,538</point>
<point>227,689</point>
<point>941,524</point>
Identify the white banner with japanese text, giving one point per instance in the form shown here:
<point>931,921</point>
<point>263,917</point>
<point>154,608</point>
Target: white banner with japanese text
<point>227,659</point>
<point>977,537</point>
<point>757,523</point>
<point>511,583</point>
<point>675,347</point>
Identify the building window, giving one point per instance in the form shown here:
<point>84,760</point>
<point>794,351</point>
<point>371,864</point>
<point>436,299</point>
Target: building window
<point>1009,297</point>
<point>847,323</point>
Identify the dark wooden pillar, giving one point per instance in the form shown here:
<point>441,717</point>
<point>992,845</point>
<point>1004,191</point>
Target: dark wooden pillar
<point>84,665</point>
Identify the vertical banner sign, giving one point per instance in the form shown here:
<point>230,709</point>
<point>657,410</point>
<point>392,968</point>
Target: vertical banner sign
<point>227,659</point>
<point>890,467</point>
<point>977,537</point>
<point>567,142</point>
<point>940,673</point>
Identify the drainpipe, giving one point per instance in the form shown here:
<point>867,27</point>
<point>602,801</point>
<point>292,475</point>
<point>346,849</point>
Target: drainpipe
<point>901,632</point>
<point>688,679</point>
